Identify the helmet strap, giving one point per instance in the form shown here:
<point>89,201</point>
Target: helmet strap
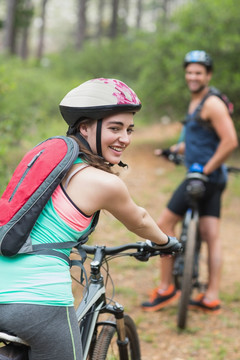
<point>99,137</point>
<point>121,164</point>
<point>98,142</point>
<point>83,141</point>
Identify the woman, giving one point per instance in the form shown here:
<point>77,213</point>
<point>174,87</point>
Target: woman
<point>36,301</point>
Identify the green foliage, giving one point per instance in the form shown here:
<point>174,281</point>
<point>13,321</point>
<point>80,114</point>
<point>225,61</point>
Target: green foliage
<point>121,58</point>
<point>163,79</point>
<point>24,14</point>
<point>29,98</point>
<point>201,24</point>
<point>219,20</point>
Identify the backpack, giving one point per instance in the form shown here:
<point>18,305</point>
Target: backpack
<point>37,175</point>
<point>212,91</point>
<point>218,93</point>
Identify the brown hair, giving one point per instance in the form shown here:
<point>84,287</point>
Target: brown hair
<point>92,159</point>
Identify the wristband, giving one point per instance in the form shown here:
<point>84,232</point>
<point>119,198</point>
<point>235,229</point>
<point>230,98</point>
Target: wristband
<point>196,168</point>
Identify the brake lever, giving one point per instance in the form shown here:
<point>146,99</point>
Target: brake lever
<point>144,256</point>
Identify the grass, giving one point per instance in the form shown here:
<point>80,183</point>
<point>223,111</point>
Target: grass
<point>231,297</point>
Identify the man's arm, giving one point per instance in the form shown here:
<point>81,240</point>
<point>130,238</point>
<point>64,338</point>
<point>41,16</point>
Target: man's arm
<point>216,111</point>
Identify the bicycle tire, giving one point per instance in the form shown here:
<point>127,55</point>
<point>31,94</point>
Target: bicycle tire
<point>106,346</point>
<point>186,286</point>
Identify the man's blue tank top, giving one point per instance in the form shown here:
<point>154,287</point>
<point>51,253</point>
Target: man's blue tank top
<point>201,142</point>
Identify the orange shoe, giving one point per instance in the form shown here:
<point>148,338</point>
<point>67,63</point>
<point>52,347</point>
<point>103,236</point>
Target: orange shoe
<point>160,298</point>
<point>200,303</point>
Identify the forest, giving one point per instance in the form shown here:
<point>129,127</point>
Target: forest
<point>142,42</point>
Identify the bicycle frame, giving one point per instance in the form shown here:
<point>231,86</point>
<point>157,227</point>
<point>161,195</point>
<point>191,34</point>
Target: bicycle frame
<point>186,267</point>
<point>190,214</point>
<point>88,312</point>
<point>191,242</point>
<point>94,303</point>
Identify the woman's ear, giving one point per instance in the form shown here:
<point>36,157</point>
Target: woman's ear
<point>83,129</point>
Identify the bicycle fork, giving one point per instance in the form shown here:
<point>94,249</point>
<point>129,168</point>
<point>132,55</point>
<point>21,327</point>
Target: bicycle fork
<point>118,311</point>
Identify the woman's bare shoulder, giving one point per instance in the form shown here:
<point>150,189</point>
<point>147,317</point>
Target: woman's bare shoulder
<point>98,189</point>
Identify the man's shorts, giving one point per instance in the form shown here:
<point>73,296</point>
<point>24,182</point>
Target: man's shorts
<point>209,204</point>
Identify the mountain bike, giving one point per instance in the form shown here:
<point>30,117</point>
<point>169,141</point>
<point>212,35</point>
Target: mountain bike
<point>115,337</point>
<point>187,267</point>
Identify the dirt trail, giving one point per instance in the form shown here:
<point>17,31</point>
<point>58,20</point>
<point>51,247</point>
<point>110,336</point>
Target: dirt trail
<point>208,337</point>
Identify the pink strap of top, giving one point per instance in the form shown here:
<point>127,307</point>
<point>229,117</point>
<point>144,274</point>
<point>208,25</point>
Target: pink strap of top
<point>66,209</point>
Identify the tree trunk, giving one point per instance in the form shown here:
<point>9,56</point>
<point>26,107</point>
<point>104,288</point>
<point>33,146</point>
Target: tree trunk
<point>10,29</point>
<point>24,45</point>
<point>42,30</point>
<point>125,11</point>
<point>114,22</point>
<point>25,30</point>
<point>139,14</point>
<point>101,5</point>
<point>81,23</point>
<point>165,7</point>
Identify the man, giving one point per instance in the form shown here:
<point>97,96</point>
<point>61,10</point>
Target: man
<point>210,138</point>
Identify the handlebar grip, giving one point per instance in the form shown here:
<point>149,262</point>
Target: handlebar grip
<point>172,247</point>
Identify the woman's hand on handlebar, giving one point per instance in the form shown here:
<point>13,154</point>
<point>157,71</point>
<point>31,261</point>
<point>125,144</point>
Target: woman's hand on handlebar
<point>170,248</point>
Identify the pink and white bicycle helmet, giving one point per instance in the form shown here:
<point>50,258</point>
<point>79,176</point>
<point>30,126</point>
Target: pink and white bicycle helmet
<point>96,99</point>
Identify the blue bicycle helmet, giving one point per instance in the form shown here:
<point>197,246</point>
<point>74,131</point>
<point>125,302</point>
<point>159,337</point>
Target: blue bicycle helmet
<point>200,57</point>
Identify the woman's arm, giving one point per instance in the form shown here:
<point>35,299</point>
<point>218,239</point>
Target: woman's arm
<point>92,189</point>
<point>135,218</point>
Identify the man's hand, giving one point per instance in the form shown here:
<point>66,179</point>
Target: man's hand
<point>158,152</point>
<point>163,152</point>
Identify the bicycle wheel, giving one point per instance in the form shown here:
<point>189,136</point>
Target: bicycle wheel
<point>178,270</point>
<point>106,345</point>
<point>186,285</point>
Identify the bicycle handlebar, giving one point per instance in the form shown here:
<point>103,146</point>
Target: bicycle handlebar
<point>178,159</point>
<point>112,250</point>
<point>197,176</point>
<point>144,252</point>
<point>140,246</point>
<point>233,169</point>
